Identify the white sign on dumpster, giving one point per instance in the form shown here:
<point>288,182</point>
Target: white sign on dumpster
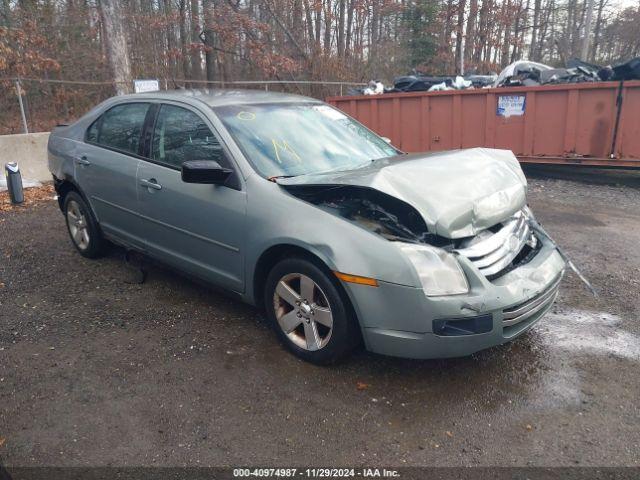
<point>511,105</point>
<point>143,86</point>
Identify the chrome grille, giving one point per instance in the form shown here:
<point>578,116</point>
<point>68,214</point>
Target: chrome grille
<point>538,304</point>
<point>493,252</point>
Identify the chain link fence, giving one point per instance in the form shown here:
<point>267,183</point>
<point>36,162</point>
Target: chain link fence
<point>37,105</point>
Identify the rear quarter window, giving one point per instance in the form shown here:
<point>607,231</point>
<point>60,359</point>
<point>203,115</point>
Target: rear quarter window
<point>119,128</point>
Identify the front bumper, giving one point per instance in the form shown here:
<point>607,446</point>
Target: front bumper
<point>398,320</point>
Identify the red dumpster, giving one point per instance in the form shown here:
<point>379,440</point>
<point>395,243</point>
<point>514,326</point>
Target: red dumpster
<point>586,123</point>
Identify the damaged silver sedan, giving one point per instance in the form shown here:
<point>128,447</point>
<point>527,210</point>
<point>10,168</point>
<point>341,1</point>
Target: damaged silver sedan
<point>300,210</point>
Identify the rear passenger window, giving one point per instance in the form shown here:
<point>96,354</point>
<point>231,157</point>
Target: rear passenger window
<point>120,127</point>
<point>181,135</point>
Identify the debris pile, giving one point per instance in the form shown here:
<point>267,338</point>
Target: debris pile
<point>518,74</point>
<point>32,196</point>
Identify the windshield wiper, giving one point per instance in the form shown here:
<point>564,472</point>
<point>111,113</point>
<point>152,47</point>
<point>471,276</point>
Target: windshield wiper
<point>335,170</point>
<point>277,177</point>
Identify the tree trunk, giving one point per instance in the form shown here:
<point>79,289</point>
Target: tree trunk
<point>596,34</point>
<point>445,42</point>
<point>483,31</point>
<point>459,33</point>
<point>209,40</point>
<point>373,36</point>
<point>296,28</point>
<point>506,45</point>
<point>196,59</point>
<point>584,51</point>
<point>318,26</point>
<point>516,33</point>
<point>309,22</point>
<point>347,47</point>
<point>327,27</point>
<point>116,45</point>
<point>534,30</point>
<point>182,6</point>
<point>170,36</point>
<point>469,47</point>
<point>341,14</point>
<point>542,37</point>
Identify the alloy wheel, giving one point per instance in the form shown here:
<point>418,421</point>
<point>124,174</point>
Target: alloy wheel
<point>78,227</point>
<point>303,311</point>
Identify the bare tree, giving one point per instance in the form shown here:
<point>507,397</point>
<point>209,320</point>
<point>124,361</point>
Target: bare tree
<point>587,30</point>
<point>116,45</point>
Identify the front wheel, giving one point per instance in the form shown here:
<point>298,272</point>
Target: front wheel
<point>308,312</point>
<point>83,228</point>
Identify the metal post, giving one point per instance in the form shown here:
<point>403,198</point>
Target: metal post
<point>24,118</point>
<point>340,89</point>
<point>463,45</point>
<point>617,122</point>
<point>266,87</point>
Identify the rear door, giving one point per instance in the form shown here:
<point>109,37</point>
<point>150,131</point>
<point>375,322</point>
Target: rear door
<point>198,228</point>
<point>106,167</point>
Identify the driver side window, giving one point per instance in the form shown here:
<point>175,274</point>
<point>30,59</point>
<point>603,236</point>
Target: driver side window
<point>181,135</point>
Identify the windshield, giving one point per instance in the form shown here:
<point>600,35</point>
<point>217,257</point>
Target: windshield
<point>297,138</point>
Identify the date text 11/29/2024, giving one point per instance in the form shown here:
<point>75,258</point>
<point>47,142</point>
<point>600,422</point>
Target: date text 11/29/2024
<point>316,472</point>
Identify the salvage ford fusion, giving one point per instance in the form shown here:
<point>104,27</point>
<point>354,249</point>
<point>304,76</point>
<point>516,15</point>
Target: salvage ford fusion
<point>301,210</point>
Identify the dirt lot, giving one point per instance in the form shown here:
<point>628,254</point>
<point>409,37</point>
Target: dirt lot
<point>98,371</point>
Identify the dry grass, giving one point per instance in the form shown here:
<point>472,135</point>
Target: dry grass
<point>32,196</point>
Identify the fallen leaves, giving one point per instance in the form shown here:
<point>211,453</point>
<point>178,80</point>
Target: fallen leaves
<point>32,196</point>
<point>2,440</point>
<point>362,386</point>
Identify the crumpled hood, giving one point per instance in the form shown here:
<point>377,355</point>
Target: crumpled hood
<point>458,192</point>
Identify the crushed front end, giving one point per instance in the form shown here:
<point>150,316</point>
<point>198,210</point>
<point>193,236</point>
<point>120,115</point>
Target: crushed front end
<point>513,272</point>
<point>484,269</point>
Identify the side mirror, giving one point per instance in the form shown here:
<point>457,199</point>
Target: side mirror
<point>205,171</point>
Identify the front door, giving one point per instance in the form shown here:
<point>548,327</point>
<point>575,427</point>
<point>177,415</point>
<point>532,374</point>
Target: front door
<point>198,228</point>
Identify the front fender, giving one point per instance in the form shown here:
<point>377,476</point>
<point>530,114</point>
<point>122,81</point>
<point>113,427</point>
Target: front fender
<point>278,218</point>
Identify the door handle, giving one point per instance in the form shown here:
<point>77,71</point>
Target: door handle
<point>83,161</point>
<point>151,183</point>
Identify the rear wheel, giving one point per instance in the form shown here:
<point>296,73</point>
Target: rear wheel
<point>83,228</point>
<point>308,312</point>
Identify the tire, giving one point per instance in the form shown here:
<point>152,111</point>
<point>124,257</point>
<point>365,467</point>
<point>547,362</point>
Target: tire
<point>317,327</point>
<point>83,228</point>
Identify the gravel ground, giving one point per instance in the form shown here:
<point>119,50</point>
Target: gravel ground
<point>97,371</point>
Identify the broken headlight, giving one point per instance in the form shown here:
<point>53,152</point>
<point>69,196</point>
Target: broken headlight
<point>439,271</point>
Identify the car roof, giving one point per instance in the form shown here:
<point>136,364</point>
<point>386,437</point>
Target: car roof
<point>220,96</point>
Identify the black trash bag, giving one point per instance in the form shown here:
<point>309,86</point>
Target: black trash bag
<point>595,71</point>
<point>628,71</point>
<point>419,83</point>
<point>481,81</point>
<point>606,73</point>
<point>568,75</point>
<point>355,90</point>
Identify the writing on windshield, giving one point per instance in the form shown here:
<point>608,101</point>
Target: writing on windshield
<point>289,139</point>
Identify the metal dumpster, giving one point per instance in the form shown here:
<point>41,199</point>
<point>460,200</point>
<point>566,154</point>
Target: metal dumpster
<point>585,124</point>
